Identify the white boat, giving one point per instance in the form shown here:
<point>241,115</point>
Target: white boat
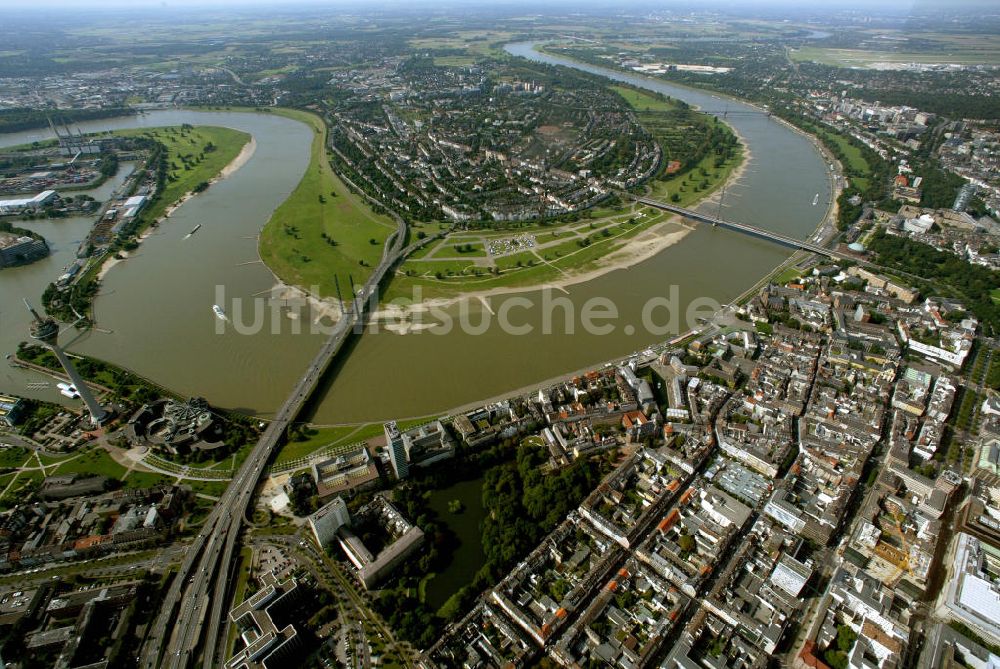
<point>219,312</point>
<point>815,199</point>
<point>68,390</point>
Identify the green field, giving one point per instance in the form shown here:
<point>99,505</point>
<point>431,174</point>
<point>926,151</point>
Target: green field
<point>190,161</point>
<point>13,456</point>
<point>99,462</point>
<point>786,275</point>
<point>473,42</point>
<point>643,100</point>
<point>337,435</point>
<point>292,243</point>
<point>454,61</point>
<point>538,267</point>
<point>684,187</point>
<point>323,437</point>
<point>457,249</point>
<point>950,52</point>
<point>856,167</point>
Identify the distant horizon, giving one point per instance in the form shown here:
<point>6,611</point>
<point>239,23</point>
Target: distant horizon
<point>894,6</point>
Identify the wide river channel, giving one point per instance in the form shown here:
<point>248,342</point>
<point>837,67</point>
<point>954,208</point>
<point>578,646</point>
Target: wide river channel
<point>154,311</point>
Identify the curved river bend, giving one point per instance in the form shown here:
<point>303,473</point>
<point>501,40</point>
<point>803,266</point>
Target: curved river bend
<point>389,375</point>
<point>154,312</point>
<point>157,305</point>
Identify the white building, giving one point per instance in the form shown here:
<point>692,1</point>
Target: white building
<point>974,590</point>
<point>328,519</point>
<point>920,225</point>
<point>18,205</point>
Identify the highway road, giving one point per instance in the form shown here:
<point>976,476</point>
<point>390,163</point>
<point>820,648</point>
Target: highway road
<point>191,616</point>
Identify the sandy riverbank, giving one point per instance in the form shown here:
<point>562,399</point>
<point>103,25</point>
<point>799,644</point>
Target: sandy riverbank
<point>645,245</point>
<point>230,169</point>
<point>398,315</point>
<point>241,159</point>
<point>293,299</point>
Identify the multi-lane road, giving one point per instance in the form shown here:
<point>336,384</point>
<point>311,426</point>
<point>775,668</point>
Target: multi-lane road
<point>191,616</point>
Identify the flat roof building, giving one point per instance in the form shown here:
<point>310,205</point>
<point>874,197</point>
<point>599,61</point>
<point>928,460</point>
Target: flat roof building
<point>328,519</point>
<point>10,410</point>
<point>20,249</point>
<point>974,590</point>
<point>372,569</point>
<point>19,204</point>
<point>418,447</point>
<point>266,645</point>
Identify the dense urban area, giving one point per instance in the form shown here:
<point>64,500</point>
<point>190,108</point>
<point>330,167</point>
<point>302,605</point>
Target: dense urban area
<point>806,476</point>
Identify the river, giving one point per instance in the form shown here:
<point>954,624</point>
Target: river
<point>154,310</point>
<point>409,375</point>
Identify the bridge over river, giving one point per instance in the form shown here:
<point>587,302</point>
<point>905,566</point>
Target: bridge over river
<point>193,613</point>
<point>745,228</point>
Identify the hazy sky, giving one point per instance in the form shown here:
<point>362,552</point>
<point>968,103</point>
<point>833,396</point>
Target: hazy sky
<point>85,4</point>
<point>895,7</point>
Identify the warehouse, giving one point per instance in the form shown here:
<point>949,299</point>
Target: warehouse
<point>22,204</point>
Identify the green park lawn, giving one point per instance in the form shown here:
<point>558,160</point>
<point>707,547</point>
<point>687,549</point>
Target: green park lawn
<point>857,168</point>
<point>292,242</point>
<point>788,274</point>
<point>12,457</point>
<point>190,160</point>
<point>336,435</point>
<point>535,269</point>
<point>684,185</point>
<point>459,250</point>
<point>644,100</point>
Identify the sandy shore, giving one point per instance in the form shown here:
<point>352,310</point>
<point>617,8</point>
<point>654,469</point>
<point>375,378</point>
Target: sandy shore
<point>230,169</point>
<point>397,317</point>
<point>642,247</point>
<point>638,249</point>
<point>294,298</point>
<point>241,159</point>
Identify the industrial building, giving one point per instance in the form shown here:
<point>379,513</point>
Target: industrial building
<point>19,205</point>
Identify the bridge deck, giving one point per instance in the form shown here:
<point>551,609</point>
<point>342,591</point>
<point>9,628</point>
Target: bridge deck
<point>745,228</point>
<point>203,579</point>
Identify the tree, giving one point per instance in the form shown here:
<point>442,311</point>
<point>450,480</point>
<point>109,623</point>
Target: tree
<point>686,543</point>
